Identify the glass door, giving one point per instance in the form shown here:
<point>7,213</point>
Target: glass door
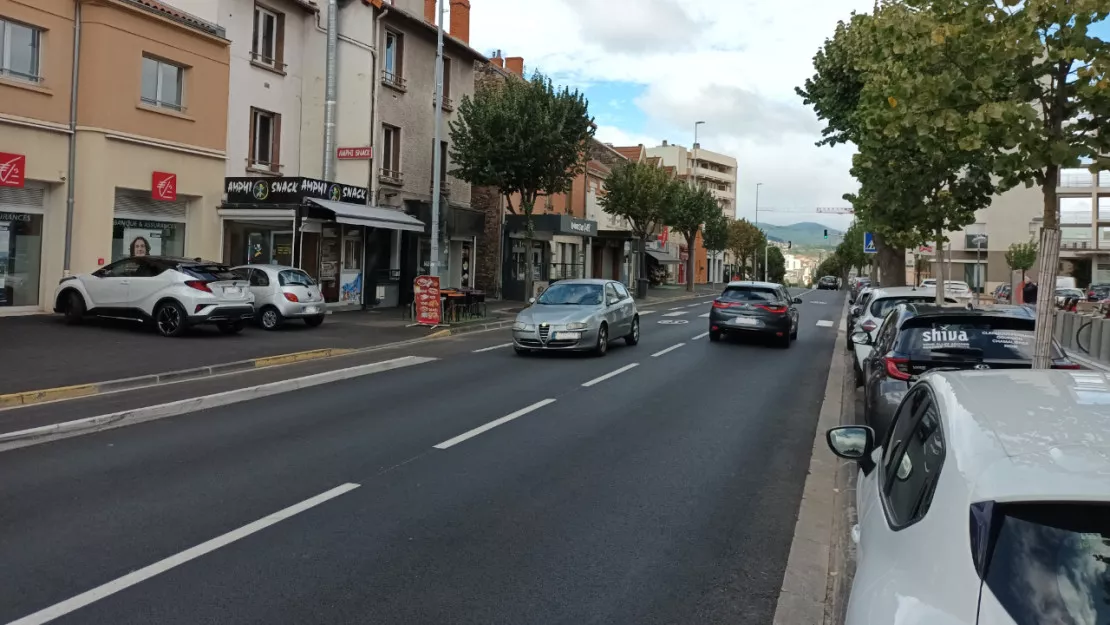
<point>281,246</point>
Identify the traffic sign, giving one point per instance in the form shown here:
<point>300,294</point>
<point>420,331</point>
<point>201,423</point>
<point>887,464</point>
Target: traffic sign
<point>869,243</point>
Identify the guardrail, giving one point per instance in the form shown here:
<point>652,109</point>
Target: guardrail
<point>1087,334</point>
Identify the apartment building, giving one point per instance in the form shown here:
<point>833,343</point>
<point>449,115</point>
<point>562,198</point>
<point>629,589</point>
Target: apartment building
<point>148,139</point>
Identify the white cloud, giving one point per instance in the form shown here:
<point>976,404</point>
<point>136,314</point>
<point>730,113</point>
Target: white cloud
<point>733,64</point>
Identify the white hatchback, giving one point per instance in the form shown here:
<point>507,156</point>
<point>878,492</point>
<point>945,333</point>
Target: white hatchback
<point>987,504</point>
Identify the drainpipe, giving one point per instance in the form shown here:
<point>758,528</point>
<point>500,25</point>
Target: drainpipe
<point>71,172</point>
<point>372,183</point>
<point>331,90</point>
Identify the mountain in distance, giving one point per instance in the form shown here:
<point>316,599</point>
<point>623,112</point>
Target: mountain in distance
<point>804,234</point>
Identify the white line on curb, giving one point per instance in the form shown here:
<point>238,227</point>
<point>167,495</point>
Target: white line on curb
<point>669,349</point>
<point>676,314</point>
<point>492,424</point>
<point>134,577</point>
<point>611,374</point>
<point>824,323</point>
<point>700,336</point>
<point>490,349</point>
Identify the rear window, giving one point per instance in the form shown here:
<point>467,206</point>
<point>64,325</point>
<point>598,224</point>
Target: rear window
<point>294,277</point>
<point>749,294</point>
<point>880,307</point>
<point>992,338</point>
<point>1046,562</point>
<point>210,273</point>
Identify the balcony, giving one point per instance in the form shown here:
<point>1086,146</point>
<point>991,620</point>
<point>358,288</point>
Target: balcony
<point>391,177</point>
<point>394,81</point>
<point>446,103</point>
<point>713,174</point>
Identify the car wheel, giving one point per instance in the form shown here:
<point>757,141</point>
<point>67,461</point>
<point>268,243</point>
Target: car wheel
<point>633,336</point>
<point>230,327</point>
<point>169,319</point>
<point>75,308</point>
<point>794,334</point>
<point>314,322</point>
<point>784,341</point>
<point>270,318</point>
<point>602,346</point>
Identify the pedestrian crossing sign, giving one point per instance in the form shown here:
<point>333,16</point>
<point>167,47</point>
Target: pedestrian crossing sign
<point>869,243</point>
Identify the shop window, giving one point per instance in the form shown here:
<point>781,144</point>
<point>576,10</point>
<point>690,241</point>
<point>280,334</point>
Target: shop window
<point>19,51</point>
<point>163,83</point>
<point>265,138</point>
<point>20,258</point>
<point>137,237</point>
<point>269,37</point>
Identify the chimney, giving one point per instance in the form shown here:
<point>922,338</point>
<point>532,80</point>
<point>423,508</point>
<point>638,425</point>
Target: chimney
<point>515,64</point>
<point>430,12</point>
<point>460,20</point>
<point>664,143</point>
<point>496,59</point>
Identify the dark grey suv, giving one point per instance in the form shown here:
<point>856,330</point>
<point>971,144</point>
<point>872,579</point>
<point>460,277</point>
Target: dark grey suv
<point>755,308</point>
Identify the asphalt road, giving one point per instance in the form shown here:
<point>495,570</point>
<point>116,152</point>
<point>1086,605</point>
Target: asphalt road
<point>666,493</point>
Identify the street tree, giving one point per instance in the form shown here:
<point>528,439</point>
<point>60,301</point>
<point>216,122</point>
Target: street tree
<point>776,265</point>
<point>716,236</point>
<point>523,137</point>
<point>744,240</point>
<point>1021,257</point>
<point>691,209</point>
<point>640,193</point>
<point>850,248</point>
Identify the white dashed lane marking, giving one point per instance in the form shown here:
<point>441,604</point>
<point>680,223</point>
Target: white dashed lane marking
<point>669,349</point>
<point>824,323</point>
<point>677,313</point>
<point>700,336</point>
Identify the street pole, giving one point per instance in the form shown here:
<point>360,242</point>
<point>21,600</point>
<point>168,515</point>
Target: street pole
<point>436,156</point>
<point>691,244</point>
<point>978,266</point>
<point>757,185</point>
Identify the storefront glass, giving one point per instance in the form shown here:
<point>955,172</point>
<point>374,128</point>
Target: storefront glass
<point>350,289</point>
<point>140,237</point>
<point>329,262</point>
<point>258,244</point>
<point>20,257</point>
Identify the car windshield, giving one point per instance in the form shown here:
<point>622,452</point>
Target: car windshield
<point>294,277</point>
<point>210,273</point>
<point>1049,562</point>
<point>571,294</point>
<point>991,338</point>
<point>748,294</point>
<point>880,307</point>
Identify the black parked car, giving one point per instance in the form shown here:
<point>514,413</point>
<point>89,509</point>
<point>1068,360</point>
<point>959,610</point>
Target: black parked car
<point>915,338</point>
<point>827,283</point>
<point>755,308</point>
<point>855,286</point>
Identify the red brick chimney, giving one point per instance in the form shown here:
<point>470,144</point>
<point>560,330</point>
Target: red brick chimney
<point>515,64</point>
<point>430,11</point>
<point>460,20</point>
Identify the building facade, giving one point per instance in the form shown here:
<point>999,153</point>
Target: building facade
<point>148,139</point>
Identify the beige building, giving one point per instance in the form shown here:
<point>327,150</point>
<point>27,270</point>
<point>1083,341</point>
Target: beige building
<point>148,136</point>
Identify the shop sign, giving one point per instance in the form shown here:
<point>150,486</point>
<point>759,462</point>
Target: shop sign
<point>666,235</point>
<point>163,186</point>
<point>346,154</point>
<point>429,306</point>
<point>289,191</point>
<point>583,227</point>
<point>12,169</point>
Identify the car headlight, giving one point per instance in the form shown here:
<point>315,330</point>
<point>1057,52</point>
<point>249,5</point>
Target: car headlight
<point>577,325</point>
<point>520,326</point>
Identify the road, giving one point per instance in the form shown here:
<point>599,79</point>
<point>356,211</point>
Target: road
<point>479,487</point>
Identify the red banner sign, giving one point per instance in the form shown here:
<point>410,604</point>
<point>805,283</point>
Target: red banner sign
<point>163,186</point>
<point>666,235</point>
<point>12,168</point>
<point>353,153</point>
<point>429,306</point>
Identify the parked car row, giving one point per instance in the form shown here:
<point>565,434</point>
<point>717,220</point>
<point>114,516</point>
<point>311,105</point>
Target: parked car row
<point>173,294</point>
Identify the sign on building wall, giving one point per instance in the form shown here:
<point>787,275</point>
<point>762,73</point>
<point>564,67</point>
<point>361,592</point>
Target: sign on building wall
<point>12,169</point>
<point>354,153</point>
<point>163,186</point>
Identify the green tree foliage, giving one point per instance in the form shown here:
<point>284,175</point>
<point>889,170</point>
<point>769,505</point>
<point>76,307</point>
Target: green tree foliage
<point>850,249</point>
<point>744,241</point>
<point>691,209</point>
<point>640,193</point>
<point>831,266</point>
<point>1022,256</point>
<point>523,137</point>
<point>776,265</point>
<point>715,236</point>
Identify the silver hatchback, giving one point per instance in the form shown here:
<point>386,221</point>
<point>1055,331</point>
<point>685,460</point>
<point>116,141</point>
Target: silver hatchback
<point>577,315</point>
<point>281,293</point>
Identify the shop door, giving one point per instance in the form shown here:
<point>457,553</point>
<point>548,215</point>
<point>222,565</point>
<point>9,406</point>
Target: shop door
<point>281,246</point>
<point>329,263</point>
<point>310,254</point>
<point>21,230</point>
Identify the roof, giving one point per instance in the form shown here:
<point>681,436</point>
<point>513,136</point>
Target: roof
<point>753,283</point>
<point>176,15</point>
<point>632,153</point>
<point>447,37</point>
<point>1021,434</point>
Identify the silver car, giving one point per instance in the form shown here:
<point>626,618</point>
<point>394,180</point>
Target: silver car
<point>577,315</point>
<point>281,293</point>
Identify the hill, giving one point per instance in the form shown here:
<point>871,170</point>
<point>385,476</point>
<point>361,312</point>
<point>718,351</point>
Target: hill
<point>804,234</point>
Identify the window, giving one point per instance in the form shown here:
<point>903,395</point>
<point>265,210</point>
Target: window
<point>19,51</point>
<point>623,292</point>
<point>1075,210</point>
<point>265,140</point>
<point>997,338</point>
<point>137,237</point>
<point>162,84</point>
<point>295,277</point>
<point>611,294</point>
<point>269,37</point>
<point>394,53</point>
<point>748,294</point>
<point>912,460</point>
<point>20,258</point>
<point>258,277</point>
<point>446,80</point>
<point>127,268</point>
<point>391,151</point>
<point>976,241</point>
<point>442,164</point>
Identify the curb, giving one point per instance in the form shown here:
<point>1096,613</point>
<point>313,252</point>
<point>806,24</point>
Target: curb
<point>1086,361</point>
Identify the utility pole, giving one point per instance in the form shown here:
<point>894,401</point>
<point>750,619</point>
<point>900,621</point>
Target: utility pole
<point>437,157</point>
<point>757,185</point>
<point>691,244</point>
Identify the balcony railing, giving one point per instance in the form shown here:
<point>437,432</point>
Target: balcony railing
<point>391,176</point>
<point>447,103</point>
<point>394,80</point>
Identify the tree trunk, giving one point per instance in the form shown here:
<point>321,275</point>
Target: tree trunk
<point>691,244</point>
<point>1049,252</point>
<point>892,264</point>
<point>939,299</point>
<point>526,208</point>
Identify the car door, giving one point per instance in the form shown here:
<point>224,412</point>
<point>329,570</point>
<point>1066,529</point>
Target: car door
<point>873,367</point>
<point>108,286</point>
<point>261,287</point>
<point>613,311</point>
<point>627,307</point>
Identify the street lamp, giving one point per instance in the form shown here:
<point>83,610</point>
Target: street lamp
<point>694,177</point>
<point>765,256</point>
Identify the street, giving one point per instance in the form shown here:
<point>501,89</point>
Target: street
<point>659,484</point>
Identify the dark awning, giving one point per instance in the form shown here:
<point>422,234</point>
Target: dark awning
<point>663,257</point>
<point>373,216</point>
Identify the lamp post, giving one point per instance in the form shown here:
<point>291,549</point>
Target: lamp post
<point>979,240</point>
<point>694,178</point>
<point>757,185</point>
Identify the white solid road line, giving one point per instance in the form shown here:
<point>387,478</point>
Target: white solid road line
<point>700,336</point>
<point>611,374</point>
<point>648,312</point>
<point>675,308</point>
<point>677,313</point>
<point>824,323</point>
<point>696,304</point>
<point>492,424</point>
<point>669,349</point>
<point>134,577</point>
<point>490,349</point>
<point>705,316</point>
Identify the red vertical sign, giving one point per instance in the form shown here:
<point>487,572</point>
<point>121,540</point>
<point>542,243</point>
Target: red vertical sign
<point>429,306</point>
<point>163,186</point>
<point>12,170</point>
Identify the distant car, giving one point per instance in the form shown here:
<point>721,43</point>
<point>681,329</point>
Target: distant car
<point>1002,294</point>
<point>282,293</point>
<point>1098,292</point>
<point>169,294</point>
<point>987,502</point>
<point>755,308</point>
<point>861,303</point>
<point>1063,296</point>
<point>828,283</point>
<point>577,315</point>
<point>856,286</point>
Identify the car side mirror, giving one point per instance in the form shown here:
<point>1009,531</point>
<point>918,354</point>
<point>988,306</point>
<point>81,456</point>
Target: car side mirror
<point>531,300</point>
<point>855,443</point>
<point>855,311</point>
<point>797,300</point>
<point>861,338</point>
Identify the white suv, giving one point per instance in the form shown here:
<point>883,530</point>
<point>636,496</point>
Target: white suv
<point>170,294</point>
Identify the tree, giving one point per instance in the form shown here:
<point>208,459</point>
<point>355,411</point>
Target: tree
<point>776,265</point>
<point>691,209</point>
<point>640,193</point>
<point>744,240</point>
<point>1022,257</point>
<point>523,137</point>
<point>831,266</point>
<point>850,249</point>
<point>716,236</point>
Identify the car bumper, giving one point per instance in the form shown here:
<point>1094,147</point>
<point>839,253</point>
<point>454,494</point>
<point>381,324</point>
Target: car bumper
<point>586,340</point>
<point>291,310</point>
<point>727,323</point>
<point>221,314</point>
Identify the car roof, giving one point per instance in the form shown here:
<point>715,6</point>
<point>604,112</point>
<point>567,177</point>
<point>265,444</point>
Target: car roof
<point>900,291</point>
<point>598,281</point>
<point>753,283</point>
<point>177,260</point>
<point>989,310</point>
<point>1023,434</point>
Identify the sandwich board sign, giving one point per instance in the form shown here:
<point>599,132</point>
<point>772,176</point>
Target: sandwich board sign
<point>869,243</point>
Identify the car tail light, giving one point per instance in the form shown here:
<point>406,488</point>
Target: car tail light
<point>1090,293</point>
<point>719,304</point>
<point>868,326</point>
<point>775,309</point>
<point>1066,365</point>
<point>291,297</point>
<point>897,368</point>
<point>199,285</point>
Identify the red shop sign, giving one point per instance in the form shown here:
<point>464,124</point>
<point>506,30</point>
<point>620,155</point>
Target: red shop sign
<point>163,186</point>
<point>429,306</point>
<point>353,153</point>
<point>12,168</point>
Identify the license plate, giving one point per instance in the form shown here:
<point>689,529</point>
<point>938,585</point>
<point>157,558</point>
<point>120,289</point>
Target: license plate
<point>744,321</point>
<point>566,336</point>
<point>311,310</point>
<point>232,290</point>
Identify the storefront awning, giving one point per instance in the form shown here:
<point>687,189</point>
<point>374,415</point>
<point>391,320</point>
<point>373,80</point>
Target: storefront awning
<point>663,257</point>
<point>362,215</point>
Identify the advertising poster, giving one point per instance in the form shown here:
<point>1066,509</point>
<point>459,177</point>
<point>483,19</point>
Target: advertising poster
<point>142,242</point>
<point>350,286</point>
<point>429,307</point>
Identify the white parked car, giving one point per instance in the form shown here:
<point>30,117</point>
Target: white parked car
<point>171,294</point>
<point>281,293</point>
<point>987,504</point>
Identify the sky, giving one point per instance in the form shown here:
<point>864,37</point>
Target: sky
<point>651,68</point>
